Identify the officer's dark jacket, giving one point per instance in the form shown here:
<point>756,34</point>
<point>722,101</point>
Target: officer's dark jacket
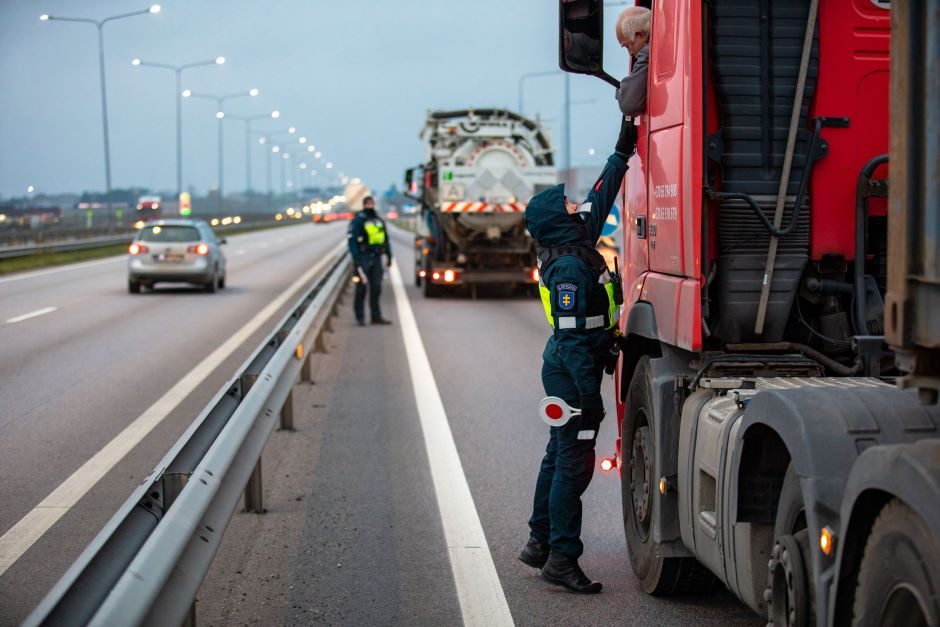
<point>572,283</point>
<point>358,239</point>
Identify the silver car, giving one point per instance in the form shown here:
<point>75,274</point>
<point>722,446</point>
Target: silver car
<point>175,251</point>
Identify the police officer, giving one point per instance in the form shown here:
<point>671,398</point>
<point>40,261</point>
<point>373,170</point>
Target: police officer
<point>368,241</point>
<point>582,299</point>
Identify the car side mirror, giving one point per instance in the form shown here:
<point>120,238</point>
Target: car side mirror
<point>581,38</point>
<point>223,241</point>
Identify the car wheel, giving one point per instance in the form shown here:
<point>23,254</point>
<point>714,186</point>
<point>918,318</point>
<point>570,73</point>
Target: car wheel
<point>222,282</point>
<point>211,285</point>
<point>133,286</point>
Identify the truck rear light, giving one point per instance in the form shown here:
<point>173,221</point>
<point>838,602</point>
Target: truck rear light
<point>200,249</point>
<point>436,276</point>
<point>607,464</point>
<point>535,275</point>
<point>827,541</point>
<point>422,273</point>
<point>449,276</point>
<point>137,249</point>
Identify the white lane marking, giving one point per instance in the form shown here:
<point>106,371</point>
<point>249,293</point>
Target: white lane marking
<point>482,601</point>
<point>73,266</point>
<point>34,525</point>
<point>32,314</point>
<point>239,253</point>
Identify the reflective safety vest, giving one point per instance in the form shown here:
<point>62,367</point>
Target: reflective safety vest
<point>602,312</point>
<point>375,232</point>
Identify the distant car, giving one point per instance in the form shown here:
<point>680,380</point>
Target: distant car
<point>175,251</point>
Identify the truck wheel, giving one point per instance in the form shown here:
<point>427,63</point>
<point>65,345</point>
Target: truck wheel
<point>431,290</point>
<point>790,594</point>
<point>899,579</point>
<point>658,575</point>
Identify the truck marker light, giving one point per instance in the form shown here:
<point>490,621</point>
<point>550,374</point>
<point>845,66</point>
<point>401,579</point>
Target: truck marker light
<point>449,276</point>
<point>423,273</point>
<point>607,464</point>
<point>827,541</point>
<point>299,352</point>
<point>436,276</point>
<point>425,251</point>
<point>662,486</point>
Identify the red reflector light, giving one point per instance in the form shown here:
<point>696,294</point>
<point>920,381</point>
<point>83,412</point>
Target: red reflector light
<point>554,411</point>
<point>449,276</point>
<point>607,464</point>
<point>137,249</point>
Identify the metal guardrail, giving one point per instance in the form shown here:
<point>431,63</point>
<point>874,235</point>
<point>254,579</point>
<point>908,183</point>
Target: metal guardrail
<point>9,252</point>
<point>147,563</point>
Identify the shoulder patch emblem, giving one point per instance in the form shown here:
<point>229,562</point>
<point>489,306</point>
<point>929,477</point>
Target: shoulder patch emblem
<point>566,297</point>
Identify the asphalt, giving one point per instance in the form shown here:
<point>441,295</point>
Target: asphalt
<point>73,378</point>
<point>353,535</point>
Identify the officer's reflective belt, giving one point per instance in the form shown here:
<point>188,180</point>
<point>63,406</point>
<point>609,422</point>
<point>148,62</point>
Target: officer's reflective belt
<point>594,322</point>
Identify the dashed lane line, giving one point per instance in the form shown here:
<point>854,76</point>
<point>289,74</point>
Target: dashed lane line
<point>19,538</point>
<point>32,314</point>
<point>482,601</point>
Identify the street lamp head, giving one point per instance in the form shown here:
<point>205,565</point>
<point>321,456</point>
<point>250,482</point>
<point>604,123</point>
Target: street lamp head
<point>44,17</point>
<point>135,61</point>
<point>286,155</point>
<point>302,140</point>
<point>155,8</point>
<point>276,149</point>
<point>220,114</point>
<point>311,148</point>
<point>187,93</point>
<point>253,92</point>
<point>318,154</point>
<point>329,165</point>
<point>303,166</point>
<point>262,140</point>
<point>219,60</point>
<point>275,114</point>
<point>30,189</point>
<point>292,130</point>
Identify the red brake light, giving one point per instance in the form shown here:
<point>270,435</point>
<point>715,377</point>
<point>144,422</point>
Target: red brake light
<point>436,276</point>
<point>137,249</point>
<point>449,276</point>
<point>200,249</point>
<point>535,275</point>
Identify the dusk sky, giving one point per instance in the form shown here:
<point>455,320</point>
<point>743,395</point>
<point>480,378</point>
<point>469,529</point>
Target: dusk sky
<point>355,76</point>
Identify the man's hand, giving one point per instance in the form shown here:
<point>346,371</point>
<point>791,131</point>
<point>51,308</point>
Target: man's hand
<point>388,264</point>
<point>592,411</point>
<point>626,143</point>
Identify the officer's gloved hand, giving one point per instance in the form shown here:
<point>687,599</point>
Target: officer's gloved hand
<point>388,264</point>
<point>626,143</point>
<point>592,411</point>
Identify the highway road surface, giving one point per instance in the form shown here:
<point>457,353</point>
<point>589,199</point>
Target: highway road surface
<point>372,518</point>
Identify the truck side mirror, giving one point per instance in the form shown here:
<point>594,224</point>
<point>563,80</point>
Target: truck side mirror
<point>409,176</point>
<point>581,38</point>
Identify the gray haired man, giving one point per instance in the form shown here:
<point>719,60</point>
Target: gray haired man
<point>633,33</point>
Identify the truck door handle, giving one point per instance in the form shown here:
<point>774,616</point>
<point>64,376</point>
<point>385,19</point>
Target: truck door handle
<point>641,227</point>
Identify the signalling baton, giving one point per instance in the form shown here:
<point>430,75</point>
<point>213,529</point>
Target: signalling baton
<point>555,412</point>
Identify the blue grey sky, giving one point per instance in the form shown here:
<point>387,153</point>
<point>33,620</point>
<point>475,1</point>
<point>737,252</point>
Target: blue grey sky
<point>355,76</point>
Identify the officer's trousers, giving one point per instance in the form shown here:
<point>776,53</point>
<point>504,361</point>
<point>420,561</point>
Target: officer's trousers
<point>372,267</point>
<point>566,470</point>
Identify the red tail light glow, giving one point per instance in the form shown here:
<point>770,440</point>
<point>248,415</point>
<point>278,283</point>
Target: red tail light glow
<point>137,249</point>
<point>436,276</point>
<point>449,276</point>
<point>423,273</point>
<point>535,275</point>
<point>200,249</point>
<point>607,464</point>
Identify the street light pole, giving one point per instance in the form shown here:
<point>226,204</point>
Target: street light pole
<point>220,114</point>
<point>248,119</point>
<point>178,70</point>
<point>99,24</point>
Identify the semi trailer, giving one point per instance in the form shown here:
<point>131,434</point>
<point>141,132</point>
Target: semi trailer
<point>777,390</point>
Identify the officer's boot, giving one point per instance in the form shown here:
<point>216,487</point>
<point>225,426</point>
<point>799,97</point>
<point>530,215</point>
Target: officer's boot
<point>535,553</point>
<point>562,570</point>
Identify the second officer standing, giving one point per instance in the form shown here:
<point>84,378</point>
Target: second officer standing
<point>368,242</point>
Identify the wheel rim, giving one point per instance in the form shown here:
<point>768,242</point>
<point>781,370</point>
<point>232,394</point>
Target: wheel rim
<point>641,475</point>
<point>904,607</point>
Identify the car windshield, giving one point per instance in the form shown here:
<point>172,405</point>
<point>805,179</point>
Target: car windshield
<point>168,233</point>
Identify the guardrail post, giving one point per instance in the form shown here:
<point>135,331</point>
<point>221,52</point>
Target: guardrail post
<point>173,484</point>
<point>287,413</point>
<point>254,494</point>
<point>319,345</point>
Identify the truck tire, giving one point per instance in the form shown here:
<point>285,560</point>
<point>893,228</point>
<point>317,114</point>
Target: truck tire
<point>899,578</point>
<point>431,290</point>
<point>790,593</point>
<point>658,575</point>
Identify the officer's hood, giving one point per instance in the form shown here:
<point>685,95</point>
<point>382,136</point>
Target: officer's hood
<point>548,221</point>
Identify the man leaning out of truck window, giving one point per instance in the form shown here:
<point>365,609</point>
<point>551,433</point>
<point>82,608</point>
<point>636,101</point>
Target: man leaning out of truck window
<point>633,33</point>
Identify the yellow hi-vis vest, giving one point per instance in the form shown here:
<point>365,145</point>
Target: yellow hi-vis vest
<point>375,232</point>
<point>607,320</point>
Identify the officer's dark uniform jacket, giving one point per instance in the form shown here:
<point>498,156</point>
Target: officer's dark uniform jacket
<point>575,285</point>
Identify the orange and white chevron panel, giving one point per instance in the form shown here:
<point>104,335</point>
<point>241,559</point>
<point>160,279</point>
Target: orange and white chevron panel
<point>482,207</point>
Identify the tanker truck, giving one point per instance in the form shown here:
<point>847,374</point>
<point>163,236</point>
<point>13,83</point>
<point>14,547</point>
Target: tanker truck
<point>481,168</point>
<point>778,425</point>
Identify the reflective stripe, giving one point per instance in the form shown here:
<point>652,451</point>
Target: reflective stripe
<point>570,322</point>
<point>604,278</point>
<point>586,435</point>
<point>546,297</point>
<point>594,322</point>
<point>375,232</point>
